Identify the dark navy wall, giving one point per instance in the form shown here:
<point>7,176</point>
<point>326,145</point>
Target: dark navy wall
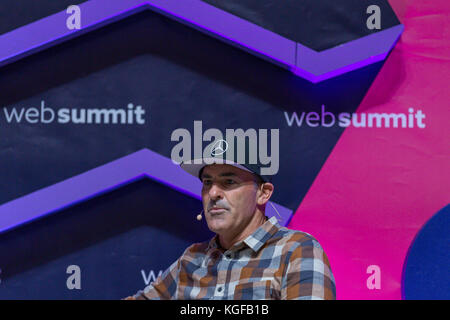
<point>15,14</point>
<point>318,24</point>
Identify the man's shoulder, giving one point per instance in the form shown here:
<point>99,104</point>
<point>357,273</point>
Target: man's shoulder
<point>294,238</point>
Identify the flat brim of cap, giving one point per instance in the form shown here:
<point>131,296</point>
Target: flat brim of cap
<point>194,167</point>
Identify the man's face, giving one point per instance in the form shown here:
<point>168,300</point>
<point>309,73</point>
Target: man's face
<point>229,198</point>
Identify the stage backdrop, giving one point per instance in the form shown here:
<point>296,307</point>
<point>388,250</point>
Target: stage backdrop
<point>91,205</point>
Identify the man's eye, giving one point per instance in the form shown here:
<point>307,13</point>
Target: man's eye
<point>229,181</point>
<point>206,182</point>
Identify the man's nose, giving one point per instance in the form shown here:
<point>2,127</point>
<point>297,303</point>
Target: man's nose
<point>215,192</point>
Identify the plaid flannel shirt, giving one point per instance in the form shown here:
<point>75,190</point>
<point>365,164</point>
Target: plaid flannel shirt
<point>272,263</point>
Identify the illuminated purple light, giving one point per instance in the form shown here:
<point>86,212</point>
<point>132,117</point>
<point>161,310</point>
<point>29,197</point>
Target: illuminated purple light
<point>304,62</point>
<point>319,78</point>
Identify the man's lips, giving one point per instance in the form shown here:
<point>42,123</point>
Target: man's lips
<point>216,210</point>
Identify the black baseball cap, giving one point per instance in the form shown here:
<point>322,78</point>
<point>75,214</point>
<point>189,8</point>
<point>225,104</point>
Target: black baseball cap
<point>242,155</point>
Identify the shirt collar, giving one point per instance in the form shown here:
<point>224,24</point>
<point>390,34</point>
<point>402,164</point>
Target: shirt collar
<point>256,240</point>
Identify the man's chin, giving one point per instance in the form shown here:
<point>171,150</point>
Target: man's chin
<point>217,225</point>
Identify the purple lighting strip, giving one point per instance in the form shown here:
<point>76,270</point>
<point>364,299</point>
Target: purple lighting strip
<point>302,61</point>
<point>141,164</point>
<point>319,66</point>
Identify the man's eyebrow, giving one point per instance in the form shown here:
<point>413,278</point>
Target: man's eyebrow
<point>225,174</point>
<point>205,176</point>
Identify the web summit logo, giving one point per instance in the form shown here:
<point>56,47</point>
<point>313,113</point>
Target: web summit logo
<point>46,115</point>
<point>237,145</point>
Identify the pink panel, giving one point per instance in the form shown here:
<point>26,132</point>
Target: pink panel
<point>380,185</point>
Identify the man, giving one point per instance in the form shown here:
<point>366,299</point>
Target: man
<point>250,257</point>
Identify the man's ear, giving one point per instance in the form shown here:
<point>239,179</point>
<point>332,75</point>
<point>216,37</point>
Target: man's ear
<point>265,192</point>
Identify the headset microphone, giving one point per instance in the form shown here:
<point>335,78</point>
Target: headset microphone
<point>199,216</point>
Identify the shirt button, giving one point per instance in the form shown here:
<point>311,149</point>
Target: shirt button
<point>228,256</point>
<point>219,289</point>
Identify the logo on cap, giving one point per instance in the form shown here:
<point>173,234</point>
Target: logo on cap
<point>220,147</point>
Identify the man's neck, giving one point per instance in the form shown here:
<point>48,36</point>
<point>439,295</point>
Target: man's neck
<point>258,219</point>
